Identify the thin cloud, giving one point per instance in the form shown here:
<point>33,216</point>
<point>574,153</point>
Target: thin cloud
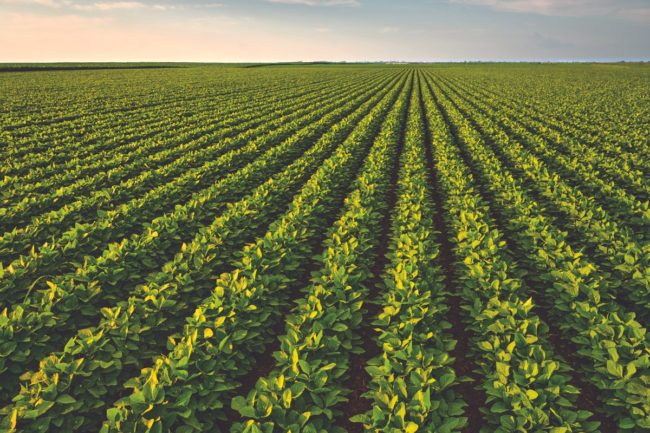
<point>389,29</point>
<point>46,3</point>
<point>105,6</point>
<point>49,3</point>
<point>208,5</point>
<point>317,2</point>
<point>122,6</point>
<point>568,8</point>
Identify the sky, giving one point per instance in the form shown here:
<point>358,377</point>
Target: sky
<point>335,30</point>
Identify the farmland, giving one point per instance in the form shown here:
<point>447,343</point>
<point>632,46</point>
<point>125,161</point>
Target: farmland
<point>325,248</point>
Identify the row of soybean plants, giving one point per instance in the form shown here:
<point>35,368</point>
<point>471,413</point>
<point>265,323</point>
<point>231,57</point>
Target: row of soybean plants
<point>175,226</point>
<point>306,387</point>
<point>611,130</point>
<point>94,368</point>
<point>42,146</point>
<point>233,327</point>
<point>116,112</point>
<point>615,186</point>
<point>411,380</point>
<point>612,347</point>
<point>101,94</point>
<point>571,141</point>
<point>119,148</point>
<point>92,238</point>
<point>611,242</point>
<point>97,92</point>
<point>614,125</point>
<point>191,172</point>
<point>112,277</point>
<point>527,386</point>
<point>243,121</point>
<point>33,151</point>
<point>128,141</point>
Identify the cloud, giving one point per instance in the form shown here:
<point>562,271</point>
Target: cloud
<point>318,2</point>
<point>107,6</point>
<point>46,3</point>
<point>124,6</point>
<point>208,5</point>
<point>112,6</point>
<point>49,3</point>
<point>570,8</point>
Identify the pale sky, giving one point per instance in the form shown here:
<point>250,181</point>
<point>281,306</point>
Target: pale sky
<point>351,30</point>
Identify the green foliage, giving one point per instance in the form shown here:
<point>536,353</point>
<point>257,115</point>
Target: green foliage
<point>304,390</point>
<point>412,380</point>
<point>158,227</point>
<point>607,337</point>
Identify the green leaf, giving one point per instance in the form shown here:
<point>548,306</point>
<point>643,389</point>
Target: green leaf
<point>112,414</point>
<point>446,380</point>
<point>238,402</point>
<point>184,398</point>
<point>626,423</point>
<point>328,367</point>
<point>503,368</point>
<point>498,407</point>
<point>532,394</point>
<point>614,369</point>
<point>411,427</point>
<point>286,398</point>
<point>485,345</point>
<point>65,399</point>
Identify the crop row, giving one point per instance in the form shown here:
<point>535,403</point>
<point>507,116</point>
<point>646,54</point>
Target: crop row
<point>304,390</point>
<point>103,169</point>
<point>625,257</point>
<point>109,278</point>
<point>613,346</point>
<point>326,249</point>
<point>136,138</point>
<point>315,201</point>
<point>412,379</point>
<point>193,162</point>
<point>85,239</point>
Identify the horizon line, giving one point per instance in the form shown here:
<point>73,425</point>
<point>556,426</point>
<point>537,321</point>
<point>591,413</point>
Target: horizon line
<point>222,62</point>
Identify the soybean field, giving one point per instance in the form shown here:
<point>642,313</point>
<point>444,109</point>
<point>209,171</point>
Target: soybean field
<point>325,248</point>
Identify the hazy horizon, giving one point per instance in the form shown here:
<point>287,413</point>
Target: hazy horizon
<point>252,31</point>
